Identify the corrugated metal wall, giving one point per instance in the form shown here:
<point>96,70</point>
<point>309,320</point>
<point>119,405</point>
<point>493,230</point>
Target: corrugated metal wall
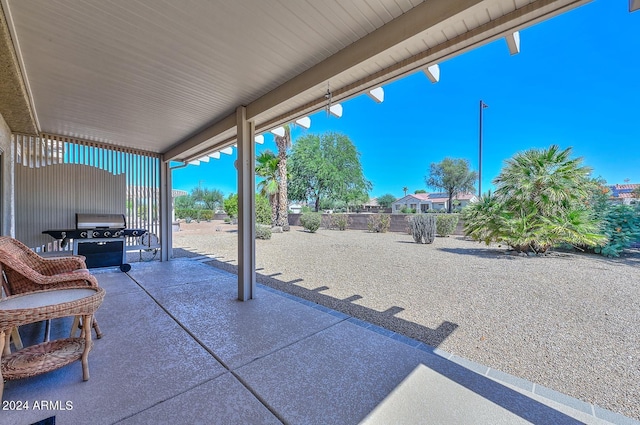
<point>57,177</point>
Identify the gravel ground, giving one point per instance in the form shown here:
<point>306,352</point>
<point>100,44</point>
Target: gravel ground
<point>566,321</point>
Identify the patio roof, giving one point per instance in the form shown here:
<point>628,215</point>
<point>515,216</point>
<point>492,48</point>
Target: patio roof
<point>167,77</point>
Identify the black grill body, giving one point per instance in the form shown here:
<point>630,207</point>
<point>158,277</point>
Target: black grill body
<point>100,238</point>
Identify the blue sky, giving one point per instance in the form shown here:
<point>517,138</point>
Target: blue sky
<point>575,83</point>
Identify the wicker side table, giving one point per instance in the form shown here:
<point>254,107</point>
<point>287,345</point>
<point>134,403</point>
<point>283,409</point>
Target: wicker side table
<point>33,307</point>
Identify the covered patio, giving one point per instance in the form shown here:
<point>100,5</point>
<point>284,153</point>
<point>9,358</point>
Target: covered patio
<point>138,89</point>
<point>179,348</point>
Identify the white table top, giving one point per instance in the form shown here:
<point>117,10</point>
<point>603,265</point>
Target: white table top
<point>41,299</point>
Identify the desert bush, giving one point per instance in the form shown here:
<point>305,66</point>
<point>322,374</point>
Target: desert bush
<point>205,215</point>
<point>379,223</point>
<point>446,224</point>
<point>263,231</point>
<point>621,226</point>
<point>423,228</point>
<point>183,212</point>
<point>342,221</point>
<point>311,221</point>
<point>337,221</point>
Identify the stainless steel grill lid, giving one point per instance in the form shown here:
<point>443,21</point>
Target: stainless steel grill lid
<point>100,221</point>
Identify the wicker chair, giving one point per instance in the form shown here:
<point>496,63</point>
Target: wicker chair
<point>26,271</point>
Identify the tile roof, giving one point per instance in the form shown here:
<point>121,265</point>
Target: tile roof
<point>627,186</point>
<point>438,196</point>
<point>623,190</point>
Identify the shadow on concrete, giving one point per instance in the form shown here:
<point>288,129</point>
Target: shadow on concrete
<point>386,319</point>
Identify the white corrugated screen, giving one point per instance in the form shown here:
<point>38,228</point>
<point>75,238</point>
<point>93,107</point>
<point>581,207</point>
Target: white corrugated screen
<point>57,177</point>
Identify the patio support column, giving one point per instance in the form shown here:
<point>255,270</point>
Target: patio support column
<point>166,224</point>
<point>246,206</point>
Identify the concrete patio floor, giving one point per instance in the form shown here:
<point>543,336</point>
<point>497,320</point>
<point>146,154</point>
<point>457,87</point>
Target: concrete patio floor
<point>178,348</point>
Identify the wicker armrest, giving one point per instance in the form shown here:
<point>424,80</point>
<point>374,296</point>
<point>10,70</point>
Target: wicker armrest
<point>73,278</point>
<point>53,266</point>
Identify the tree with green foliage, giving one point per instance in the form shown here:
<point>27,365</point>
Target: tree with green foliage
<point>405,189</point>
<point>327,166</point>
<point>386,200</point>
<point>453,176</point>
<point>419,191</point>
<point>267,168</point>
<point>542,199</point>
<point>263,209</point>
<point>210,199</point>
<point>231,205</point>
<point>184,202</point>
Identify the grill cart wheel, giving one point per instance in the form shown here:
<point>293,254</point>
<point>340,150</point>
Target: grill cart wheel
<point>150,246</point>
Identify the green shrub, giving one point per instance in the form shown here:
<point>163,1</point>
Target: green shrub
<point>379,223</point>
<point>185,212</point>
<point>337,221</point>
<point>227,220</point>
<point>205,215</point>
<point>263,210</point>
<point>446,224</point>
<point>263,231</point>
<point>621,226</point>
<point>230,205</point>
<point>311,221</point>
<point>194,213</point>
<point>423,228</point>
<point>342,221</point>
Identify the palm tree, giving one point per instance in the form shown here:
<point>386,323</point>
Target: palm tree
<point>540,200</point>
<point>267,167</point>
<point>405,190</point>
<point>546,179</point>
<point>283,144</point>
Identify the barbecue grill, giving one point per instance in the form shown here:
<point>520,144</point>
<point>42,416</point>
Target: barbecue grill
<point>100,238</point>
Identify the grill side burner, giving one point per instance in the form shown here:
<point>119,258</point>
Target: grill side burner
<point>100,238</point>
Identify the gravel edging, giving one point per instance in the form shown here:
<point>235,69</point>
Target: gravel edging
<point>565,321</point>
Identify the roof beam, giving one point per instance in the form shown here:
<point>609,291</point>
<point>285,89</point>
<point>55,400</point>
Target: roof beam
<point>432,72</point>
<point>405,26</point>
<point>202,136</point>
<point>15,102</point>
<point>513,42</point>
<point>634,5</point>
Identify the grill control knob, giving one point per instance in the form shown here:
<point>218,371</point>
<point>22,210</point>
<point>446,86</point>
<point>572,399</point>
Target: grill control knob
<point>107,233</point>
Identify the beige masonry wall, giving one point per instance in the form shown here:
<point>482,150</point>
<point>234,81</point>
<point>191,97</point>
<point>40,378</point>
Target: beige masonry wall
<point>49,197</point>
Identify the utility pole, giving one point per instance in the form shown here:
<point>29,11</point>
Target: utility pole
<point>482,106</point>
